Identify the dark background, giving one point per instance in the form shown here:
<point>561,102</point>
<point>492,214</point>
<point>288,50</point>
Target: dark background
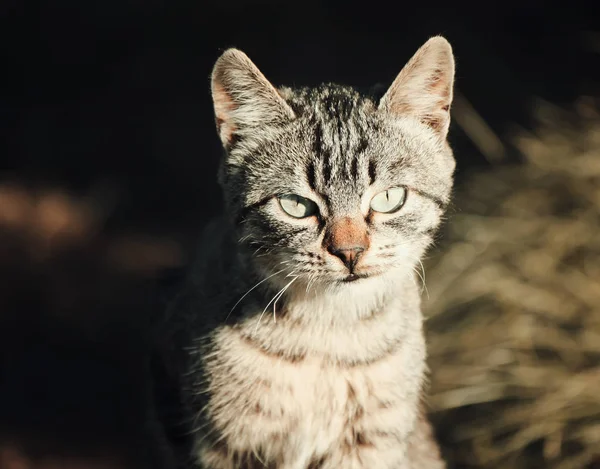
<point>117,91</point>
<point>107,102</point>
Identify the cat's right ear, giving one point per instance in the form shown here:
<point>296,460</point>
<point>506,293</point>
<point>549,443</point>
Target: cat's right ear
<point>244,100</point>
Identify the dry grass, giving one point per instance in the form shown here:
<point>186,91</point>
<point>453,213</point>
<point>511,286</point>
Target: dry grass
<point>514,305</point>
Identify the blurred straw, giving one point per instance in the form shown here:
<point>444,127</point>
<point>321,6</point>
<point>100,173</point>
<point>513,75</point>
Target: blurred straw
<point>482,136</point>
<point>514,304</point>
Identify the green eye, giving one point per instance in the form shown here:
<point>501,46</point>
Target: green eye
<point>389,201</point>
<point>297,206</point>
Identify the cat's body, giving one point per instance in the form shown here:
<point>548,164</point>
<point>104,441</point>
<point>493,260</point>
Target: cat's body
<point>303,313</point>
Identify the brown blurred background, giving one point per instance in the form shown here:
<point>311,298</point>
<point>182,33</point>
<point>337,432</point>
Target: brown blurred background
<point>108,157</point>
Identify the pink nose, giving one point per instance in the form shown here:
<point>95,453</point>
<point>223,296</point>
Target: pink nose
<point>349,256</point>
<point>347,239</point>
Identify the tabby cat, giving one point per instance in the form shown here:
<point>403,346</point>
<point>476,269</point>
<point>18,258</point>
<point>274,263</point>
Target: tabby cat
<point>302,316</point>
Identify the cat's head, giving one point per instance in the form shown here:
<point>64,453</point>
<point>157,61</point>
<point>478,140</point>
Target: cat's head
<point>329,186</point>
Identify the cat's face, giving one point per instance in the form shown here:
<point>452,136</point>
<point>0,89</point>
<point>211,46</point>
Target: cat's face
<point>331,188</point>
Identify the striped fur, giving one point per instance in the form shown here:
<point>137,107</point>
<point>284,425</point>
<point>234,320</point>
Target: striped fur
<point>290,365</point>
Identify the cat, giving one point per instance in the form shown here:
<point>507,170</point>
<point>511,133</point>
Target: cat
<point>301,319</point>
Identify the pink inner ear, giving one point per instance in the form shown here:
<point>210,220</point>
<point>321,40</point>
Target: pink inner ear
<point>224,105</point>
<point>438,85</point>
<point>436,121</point>
<point>438,118</point>
<point>434,111</point>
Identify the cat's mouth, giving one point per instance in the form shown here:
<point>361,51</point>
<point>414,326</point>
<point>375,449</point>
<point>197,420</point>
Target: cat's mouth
<point>354,277</point>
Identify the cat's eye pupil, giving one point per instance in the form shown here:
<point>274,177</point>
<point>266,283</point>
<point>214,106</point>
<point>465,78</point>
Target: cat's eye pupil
<point>389,201</point>
<point>297,206</point>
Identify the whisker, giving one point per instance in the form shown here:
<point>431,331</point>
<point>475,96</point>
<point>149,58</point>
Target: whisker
<point>255,452</point>
<point>279,297</point>
<point>422,275</point>
<point>275,297</point>
<point>248,292</point>
<point>311,281</point>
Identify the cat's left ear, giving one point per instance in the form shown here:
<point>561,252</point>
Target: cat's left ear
<point>423,89</point>
<point>243,98</point>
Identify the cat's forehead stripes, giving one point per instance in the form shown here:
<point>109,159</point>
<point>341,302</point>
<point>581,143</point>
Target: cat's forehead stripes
<point>340,137</point>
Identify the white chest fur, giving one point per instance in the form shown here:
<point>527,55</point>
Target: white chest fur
<point>298,395</point>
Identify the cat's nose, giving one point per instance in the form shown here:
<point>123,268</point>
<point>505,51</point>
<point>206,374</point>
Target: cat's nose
<point>348,255</point>
<point>347,239</point>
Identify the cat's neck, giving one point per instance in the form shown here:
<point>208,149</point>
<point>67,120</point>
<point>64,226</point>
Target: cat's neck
<point>356,324</point>
<point>361,300</point>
